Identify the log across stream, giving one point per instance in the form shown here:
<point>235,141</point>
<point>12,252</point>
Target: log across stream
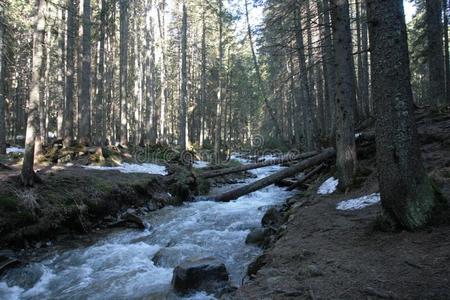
<point>133,264</point>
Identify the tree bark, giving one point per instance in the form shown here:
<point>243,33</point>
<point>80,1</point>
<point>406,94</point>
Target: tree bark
<point>276,177</point>
<point>329,70</point>
<point>2,97</point>
<point>27,174</point>
<point>307,103</point>
<point>345,94</point>
<point>123,72</point>
<point>435,53</point>
<point>182,138</point>
<point>85,97</point>
<point>446,52</point>
<point>100,99</point>
<point>70,74</point>
<point>406,192</point>
<point>218,125</point>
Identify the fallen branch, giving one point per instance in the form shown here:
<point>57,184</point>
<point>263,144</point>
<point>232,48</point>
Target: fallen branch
<point>306,177</point>
<point>222,172</point>
<point>276,177</point>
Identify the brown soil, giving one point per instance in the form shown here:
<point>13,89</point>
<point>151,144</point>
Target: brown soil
<point>323,253</point>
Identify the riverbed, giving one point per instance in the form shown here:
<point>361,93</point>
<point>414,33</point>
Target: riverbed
<point>133,264</point>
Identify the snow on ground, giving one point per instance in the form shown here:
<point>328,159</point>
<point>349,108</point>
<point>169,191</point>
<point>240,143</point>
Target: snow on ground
<point>14,150</point>
<point>199,164</point>
<point>358,203</point>
<point>328,187</point>
<point>357,135</point>
<point>133,168</point>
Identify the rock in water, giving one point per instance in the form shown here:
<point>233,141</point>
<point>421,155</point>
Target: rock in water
<point>257,236</point>
<point>134,219</point>
<point>7,262</point>
<point>207,274</point>
<point>272,218</point>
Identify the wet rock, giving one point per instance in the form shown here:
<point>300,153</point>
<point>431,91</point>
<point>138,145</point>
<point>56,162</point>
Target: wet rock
<point>207,274</point>
<point>134,219</point>
<point>257,236</point>
<point>256,265</point>
<point>7,262</point>
<point>272,218</point>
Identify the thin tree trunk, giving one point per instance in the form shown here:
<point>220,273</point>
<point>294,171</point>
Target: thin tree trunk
<point>100,100</point>
<point>2,97</point>
<point>435,53</point>
<point>183,89</point>
<point>261,88</point>
<point>85,97</point>
<point>70,74</point>
<point>329,69</point>
<point>163,94</point>
<point>406,192</point>
<point>308,101</point>
<point>27,174</point>
<point>446,51</point>
<point>61,74</point>
<point>203,81</point>
<point>345,94</point>
<point>218,125</point>
<point>123,72</point>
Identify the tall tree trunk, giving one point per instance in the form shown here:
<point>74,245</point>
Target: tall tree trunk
<point>70,73</point>
<point>308,101</point>
<point>85,99</point>
<point>27,174</point>
<point>329,68</point>
<point>123,72</point>
<point>61,74</point>
<point>365,93</point>
<point>100,112</point>
<point>261,88</point>
<point>406,192</point>
<point>163,94</point>
<point>345,94</point>
<point>435,53</point>
<point>218,125</point>
<point>446,52</point>
<point>2,97</point>
<point>203,80</point>
<point>183,88</point>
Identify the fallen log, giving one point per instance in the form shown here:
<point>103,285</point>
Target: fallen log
<point>232,170</point>
<point>306,177</point>
<point>276,177</point>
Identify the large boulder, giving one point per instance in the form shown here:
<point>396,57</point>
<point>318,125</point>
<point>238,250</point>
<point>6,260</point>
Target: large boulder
<point>206,274</point>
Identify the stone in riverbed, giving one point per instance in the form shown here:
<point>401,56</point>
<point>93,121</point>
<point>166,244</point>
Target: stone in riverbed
<point>257,236</point>
<point>206,274</point>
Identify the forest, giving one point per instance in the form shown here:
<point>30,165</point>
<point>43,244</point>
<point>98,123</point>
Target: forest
<point>224,149</point>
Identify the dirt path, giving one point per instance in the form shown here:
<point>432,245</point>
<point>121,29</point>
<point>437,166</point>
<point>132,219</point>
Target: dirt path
<point>329,254</point>
<point>324,253</point>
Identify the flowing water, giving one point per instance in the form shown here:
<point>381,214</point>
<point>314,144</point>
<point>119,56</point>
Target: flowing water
<point>139,264</point>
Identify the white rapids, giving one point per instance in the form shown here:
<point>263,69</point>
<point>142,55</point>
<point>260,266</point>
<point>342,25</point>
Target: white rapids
<point>139,264</point>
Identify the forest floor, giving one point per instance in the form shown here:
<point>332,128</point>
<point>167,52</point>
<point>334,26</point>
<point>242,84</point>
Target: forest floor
<point>325,253</point>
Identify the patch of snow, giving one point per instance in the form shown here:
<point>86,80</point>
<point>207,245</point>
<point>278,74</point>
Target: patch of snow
<point>328,187</point>
<point>199,164</point>
<point>358,203</point>
<point>14,150</point>
<point>52,135</point>
<point>133,168</point>
<point>357,135</point>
